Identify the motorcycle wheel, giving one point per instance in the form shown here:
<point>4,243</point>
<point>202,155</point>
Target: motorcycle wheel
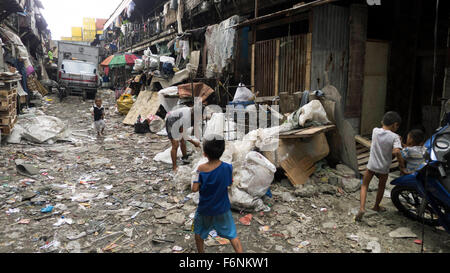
<point>408,201</point>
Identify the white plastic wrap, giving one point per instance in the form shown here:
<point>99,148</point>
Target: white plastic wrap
<point>39,129</point>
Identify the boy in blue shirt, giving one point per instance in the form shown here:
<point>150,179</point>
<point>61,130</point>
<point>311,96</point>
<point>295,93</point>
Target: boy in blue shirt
<point>214,209</point>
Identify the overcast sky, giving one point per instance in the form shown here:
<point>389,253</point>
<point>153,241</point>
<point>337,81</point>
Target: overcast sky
<point>62,15</point>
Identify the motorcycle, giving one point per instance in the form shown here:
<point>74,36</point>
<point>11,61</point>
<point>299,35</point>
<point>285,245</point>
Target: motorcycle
<point>425,195</point>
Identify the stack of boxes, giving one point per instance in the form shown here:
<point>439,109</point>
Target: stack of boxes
<point>77,34</point>
<point>8,106</point>
<point>89,29</point>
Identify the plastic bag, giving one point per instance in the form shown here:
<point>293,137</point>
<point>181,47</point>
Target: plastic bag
<point>313,111</point>
<point>243,94</point>
<point>257,175</point>
<point>156,124</point>
<point>139,65</point>
<point>124,103</point>
<point>141,127</point>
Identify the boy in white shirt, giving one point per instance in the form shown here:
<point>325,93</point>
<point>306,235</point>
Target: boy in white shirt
<point>385,144</point>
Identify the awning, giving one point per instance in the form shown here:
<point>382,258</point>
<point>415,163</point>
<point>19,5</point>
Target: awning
<point>283,13</point>
<point>117,12</point>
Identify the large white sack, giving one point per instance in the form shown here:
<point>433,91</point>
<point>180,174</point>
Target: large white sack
<point>256,175</point>
<point>313,111</point>
<point>240,200</point>
<point>165,156</point>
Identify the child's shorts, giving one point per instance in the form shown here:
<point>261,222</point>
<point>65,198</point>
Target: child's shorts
<point>99,125</point>
<point>223,224</point>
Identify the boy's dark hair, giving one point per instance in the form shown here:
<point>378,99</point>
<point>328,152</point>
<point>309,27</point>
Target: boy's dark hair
<point>390,118</point>
<point>214,147</point>
<point>418,136</point>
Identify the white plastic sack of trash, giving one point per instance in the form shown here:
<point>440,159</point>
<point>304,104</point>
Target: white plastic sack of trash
<point>139,65</point>
<point>256,175</point>
<point>313,112</point>
<point>166,102</point>
<point>240,200</point>
<point>219,125</point>
<point>166,157</point>
<point>243,94</point>
<point>165,59</point>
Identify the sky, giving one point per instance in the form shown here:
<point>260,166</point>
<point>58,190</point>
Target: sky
<point>62,15</point>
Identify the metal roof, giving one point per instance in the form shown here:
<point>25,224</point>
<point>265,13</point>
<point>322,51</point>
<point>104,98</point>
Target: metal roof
<point>283,13</point>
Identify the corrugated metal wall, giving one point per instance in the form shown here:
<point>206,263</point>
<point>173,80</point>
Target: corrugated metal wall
<point>292,65</point>
<point>265,58</point>
<point>330,47</point>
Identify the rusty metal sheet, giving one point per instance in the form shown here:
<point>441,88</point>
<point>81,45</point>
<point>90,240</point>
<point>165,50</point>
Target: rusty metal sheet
<point>330,47</point>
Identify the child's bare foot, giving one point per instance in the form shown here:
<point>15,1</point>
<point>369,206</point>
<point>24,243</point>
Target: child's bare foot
<point>379,209</point>
<point>360,216</point>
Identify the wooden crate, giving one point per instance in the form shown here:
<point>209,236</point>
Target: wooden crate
<point>363,146</point>
<point>7,129</point>
<point>7,93</point>
<point>9,110</point>
<point>8,120</point>
<point>8,85</point>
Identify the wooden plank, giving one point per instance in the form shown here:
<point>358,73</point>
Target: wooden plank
<point>308,61</point>
<point>308,132</point>
<point>147,104</point>
<point>364,155</point>
<point>363,161</point>
<point>277,67</point>
<point>364,141</point>
<point>253,65</point>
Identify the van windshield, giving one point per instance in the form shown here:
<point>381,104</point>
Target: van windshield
<point>77,67</point>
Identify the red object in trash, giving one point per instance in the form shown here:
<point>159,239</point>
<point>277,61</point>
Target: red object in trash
<point>246,220</point>
<point>419,242</point>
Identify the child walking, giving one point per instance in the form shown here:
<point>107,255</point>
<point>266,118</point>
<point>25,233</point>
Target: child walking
<point>385,144</point>
<point>99,117</point>
<point>214,209</point>
<point>412,154</point>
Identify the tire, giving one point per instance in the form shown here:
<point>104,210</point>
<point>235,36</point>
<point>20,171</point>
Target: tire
<point>91,95</point>
<point>403,196</point>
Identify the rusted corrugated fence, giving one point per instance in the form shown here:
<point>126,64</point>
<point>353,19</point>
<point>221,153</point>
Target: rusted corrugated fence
<point>282,61</point>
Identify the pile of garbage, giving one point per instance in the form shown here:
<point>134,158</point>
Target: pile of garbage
<point>159,64</point>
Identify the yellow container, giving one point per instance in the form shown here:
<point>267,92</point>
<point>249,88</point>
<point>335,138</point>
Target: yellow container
<point>66,38</point>
<point>78,39</point>
<point>100,32</point>
<point>77,32</point>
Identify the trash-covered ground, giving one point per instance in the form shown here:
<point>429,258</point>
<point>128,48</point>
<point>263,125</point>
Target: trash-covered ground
<point>108,195</point>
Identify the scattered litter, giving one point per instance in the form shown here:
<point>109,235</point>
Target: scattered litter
<point>246,220</point>
<point>24,221</point>
<point>402,232</point>
<point>47,209</point>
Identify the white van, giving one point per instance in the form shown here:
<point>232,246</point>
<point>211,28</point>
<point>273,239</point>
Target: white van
<point>79,78</point>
